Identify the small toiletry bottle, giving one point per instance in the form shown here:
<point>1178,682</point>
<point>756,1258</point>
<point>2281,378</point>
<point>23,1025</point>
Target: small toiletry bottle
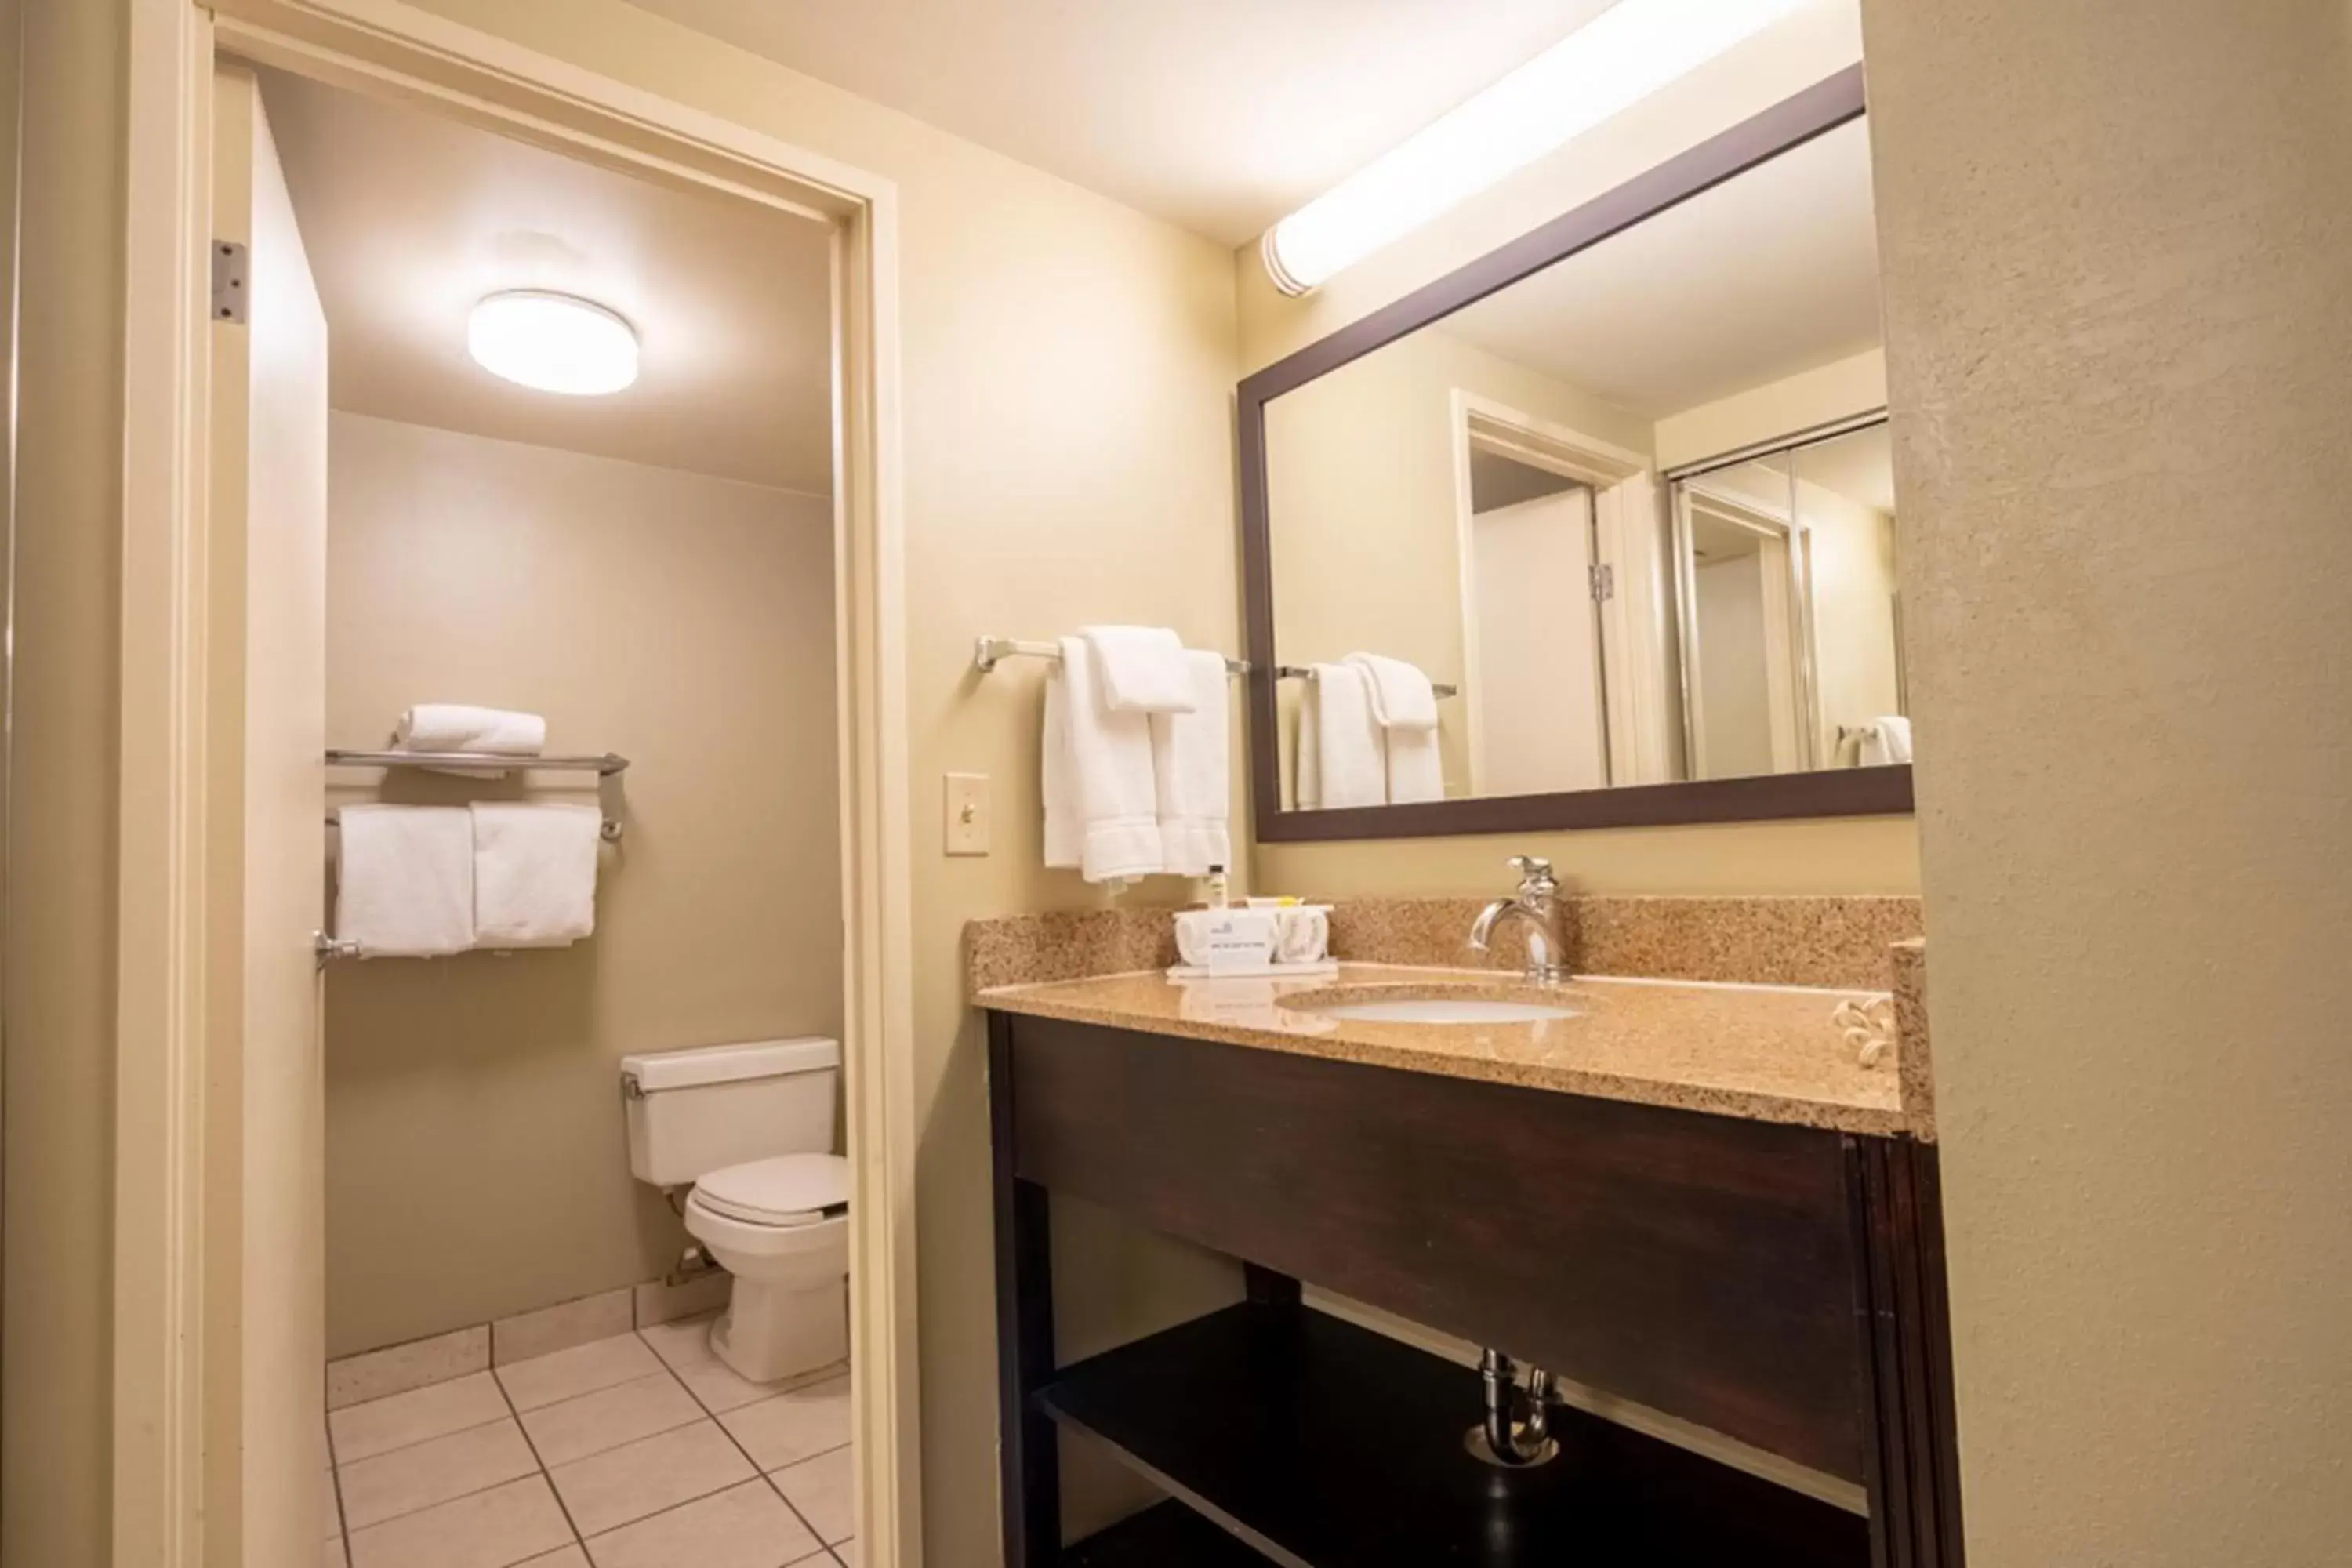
<point>1219,897</point>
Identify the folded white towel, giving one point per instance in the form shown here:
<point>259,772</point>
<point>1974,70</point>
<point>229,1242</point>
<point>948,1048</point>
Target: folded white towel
<point>1140,670</point>
<point>1190,768</point>
<point>404,880</point>
<point>1340,760</point>
<point>1416,770</point>
<point>534,873</point>
<point>1885,741</point>
<point>1102,805</point>
<point>1402,697</point>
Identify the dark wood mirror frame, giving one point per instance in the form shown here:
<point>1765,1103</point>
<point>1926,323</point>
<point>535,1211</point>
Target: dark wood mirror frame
<point>1842,792</point>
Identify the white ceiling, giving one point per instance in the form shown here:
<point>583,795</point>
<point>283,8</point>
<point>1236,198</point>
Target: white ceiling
<point>1766,275</point>
<point>409,219</point>
<point>1218,115</point>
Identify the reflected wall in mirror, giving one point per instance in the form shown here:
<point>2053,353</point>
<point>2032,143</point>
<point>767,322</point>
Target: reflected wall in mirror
<point>1486,567</point>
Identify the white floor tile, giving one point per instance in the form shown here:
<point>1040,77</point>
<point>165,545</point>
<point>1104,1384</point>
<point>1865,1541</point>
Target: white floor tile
<point>746,1526</point>
<point>845,1554</point>
<point>567,1557</point>
<point>496,1529</point>
<point>423,1474</point>
<point>332,1555</point>
<point>685,1343</point>
<point>794,1425</point>
<point>331,1505</point>
<point>382,1424</point>
<point>625,1484</point>
<point>582,1369</point>
<point>609,1417</point>
<point>820,1491</point>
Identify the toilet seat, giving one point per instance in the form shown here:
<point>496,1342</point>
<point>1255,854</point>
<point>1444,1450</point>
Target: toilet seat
<point>785,1192</point>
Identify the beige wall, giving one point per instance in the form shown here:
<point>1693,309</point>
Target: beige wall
<point>2114,235</point>
<point>59,1134</point>
<point>1368,555</point>
<point>1821,395</point>
<point>477,1163</point>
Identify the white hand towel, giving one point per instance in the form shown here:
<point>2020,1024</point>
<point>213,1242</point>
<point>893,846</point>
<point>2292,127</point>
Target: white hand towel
<point>404,880</point>
<point>1102,805</point>
<point>534,873</point>
<point>1140,669</point>
<point>1190,765</point>
<point>1416,771</point>
<point>1402,697</point>
<point>1885,741</point>
<point>1339,752</point>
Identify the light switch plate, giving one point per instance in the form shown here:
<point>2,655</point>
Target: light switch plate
<point>967,814</point>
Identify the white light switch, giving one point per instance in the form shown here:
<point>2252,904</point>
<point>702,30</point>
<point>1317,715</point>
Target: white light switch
<point>967,799</point>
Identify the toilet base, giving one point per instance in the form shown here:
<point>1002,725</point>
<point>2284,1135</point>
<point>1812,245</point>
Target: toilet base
<point>769,1333</point>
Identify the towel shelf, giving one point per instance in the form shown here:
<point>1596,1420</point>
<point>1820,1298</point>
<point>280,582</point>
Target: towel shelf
<point>1300,672</point>
<point>610,766</point>
<point>987,653</point>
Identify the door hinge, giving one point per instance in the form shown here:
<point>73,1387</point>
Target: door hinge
<point>1604,583</point>
<point>231,280</point>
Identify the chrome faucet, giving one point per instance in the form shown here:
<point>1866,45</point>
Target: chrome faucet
<point>1545,913</point>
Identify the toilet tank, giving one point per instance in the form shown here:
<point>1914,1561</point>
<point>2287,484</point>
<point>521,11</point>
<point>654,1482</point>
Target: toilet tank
<point>693,1112</point>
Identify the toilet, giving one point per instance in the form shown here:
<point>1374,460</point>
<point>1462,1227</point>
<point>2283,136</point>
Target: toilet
<point>751,1127</point>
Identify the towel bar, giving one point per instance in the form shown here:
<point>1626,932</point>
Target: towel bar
<point>610,766</point>
<point>1300,672</point>
<point>987,653</point>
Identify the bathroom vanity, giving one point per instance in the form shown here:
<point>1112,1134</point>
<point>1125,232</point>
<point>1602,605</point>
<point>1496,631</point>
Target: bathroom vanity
<point>1691,1198</point>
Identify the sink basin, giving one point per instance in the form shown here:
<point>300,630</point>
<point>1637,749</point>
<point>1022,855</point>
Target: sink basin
<point>1442,1010</point>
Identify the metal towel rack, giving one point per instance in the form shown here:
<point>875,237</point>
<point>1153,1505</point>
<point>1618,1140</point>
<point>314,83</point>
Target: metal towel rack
<point>1300,672</point>
<point>987,653</point>
<point>609,765</point>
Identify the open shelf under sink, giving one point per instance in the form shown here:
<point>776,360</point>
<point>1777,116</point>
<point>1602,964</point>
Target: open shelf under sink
<point>1321,1445</point>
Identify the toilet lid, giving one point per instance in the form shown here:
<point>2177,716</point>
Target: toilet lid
<point>788,1189</point>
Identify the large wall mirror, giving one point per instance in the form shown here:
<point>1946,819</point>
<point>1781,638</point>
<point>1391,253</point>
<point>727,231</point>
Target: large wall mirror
<point>1599,530</point>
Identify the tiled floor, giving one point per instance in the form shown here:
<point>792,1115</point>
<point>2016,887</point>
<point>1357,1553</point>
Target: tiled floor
<point>637,1451</point>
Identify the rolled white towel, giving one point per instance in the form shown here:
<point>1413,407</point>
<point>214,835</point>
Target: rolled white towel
<point>462,727</point>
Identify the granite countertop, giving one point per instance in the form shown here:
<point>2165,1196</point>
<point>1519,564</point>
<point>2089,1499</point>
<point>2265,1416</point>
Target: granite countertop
<point>1759,1052</point>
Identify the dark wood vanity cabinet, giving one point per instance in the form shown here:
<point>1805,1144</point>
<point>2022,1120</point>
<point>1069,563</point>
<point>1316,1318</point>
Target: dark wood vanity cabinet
<point>1781,1285</point>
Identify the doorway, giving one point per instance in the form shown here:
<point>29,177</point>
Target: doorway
<point>229,1465</point>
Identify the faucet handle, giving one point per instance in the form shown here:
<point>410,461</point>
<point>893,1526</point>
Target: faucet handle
<point>1535,874</point>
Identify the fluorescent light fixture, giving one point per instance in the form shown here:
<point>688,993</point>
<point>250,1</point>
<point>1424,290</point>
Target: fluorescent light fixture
<point>553,343</point>
<point>1613,61</point>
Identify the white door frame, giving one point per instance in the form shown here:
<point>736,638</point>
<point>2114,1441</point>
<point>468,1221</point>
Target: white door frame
<point>388,48</point>
<point>1788,623</point>
<point>1624,540</point>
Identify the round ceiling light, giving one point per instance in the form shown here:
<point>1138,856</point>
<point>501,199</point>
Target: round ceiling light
<point>553,342</point>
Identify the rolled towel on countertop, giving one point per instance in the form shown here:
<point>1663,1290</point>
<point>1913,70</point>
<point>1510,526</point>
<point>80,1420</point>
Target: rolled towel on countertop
<point>404,880</point>
<point>534,872</point>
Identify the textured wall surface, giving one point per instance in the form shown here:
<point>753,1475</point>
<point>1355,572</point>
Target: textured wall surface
<point>2119,321</point>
